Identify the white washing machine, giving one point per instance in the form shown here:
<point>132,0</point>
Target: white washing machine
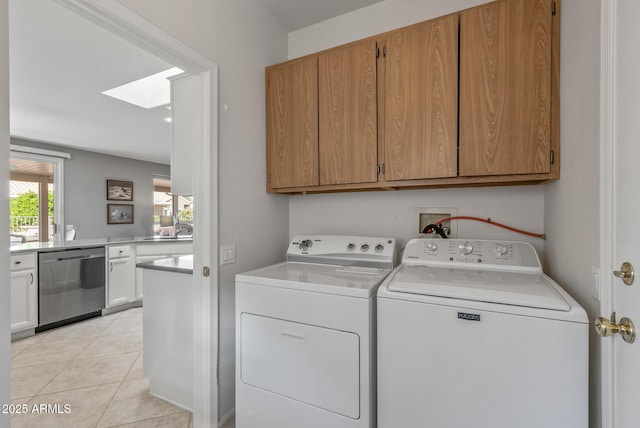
<point>473,334</point>
<point>305,335</point>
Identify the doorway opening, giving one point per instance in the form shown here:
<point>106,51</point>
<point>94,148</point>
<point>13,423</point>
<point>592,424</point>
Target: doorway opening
<point>36,196</point>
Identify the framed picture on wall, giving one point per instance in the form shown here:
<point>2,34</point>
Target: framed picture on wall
<point>118,190</point>
<point>119,214</point>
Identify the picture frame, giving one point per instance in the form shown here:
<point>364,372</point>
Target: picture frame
<point>119,214</point>
<point>119,190</point>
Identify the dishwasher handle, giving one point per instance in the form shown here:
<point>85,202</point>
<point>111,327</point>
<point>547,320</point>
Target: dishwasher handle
<point>60,259</point>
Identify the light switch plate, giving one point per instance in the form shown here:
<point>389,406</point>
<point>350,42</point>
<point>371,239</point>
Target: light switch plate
<point>227,254</point>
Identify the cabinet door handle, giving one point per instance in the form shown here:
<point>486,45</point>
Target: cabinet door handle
<point>31,278</point>
<point>111,268</point>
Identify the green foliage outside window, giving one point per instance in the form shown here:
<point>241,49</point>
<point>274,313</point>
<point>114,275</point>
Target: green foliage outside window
<point>26,205</point>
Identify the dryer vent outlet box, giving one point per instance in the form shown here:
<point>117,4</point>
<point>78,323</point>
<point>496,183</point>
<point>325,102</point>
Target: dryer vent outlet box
<point>426,216</point>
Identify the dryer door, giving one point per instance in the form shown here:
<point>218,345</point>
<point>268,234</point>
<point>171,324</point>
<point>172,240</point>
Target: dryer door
<point>315,365</point>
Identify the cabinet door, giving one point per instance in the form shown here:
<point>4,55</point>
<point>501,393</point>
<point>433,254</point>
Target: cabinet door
<point>348,137</point>
<point>505,88</point>
<point>23,300</point>
<point>121,284</point>
<point>421,101</point>
<point>292,124</point>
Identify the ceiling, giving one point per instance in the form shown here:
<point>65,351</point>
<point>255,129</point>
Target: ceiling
<point>60,63</point>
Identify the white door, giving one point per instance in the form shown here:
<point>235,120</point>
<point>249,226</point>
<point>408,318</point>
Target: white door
<point>620,208</point>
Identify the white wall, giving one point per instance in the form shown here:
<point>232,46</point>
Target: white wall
<point>85,191</point>
<point>388,212</point>
<point>5,337</point>
<point>369,21</point>
<point>242,38</point>
<point>571,204</point>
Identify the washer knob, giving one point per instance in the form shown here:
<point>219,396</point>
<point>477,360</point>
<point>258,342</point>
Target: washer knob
<point>351,247</point>
<point>306,244</point>
<point>501,250</point>
<point>432,246</point>
<point>465,248</point>
<point>364,247</point>
<point>379,248</point>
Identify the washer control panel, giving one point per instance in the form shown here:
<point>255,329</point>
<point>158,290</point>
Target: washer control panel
<point>343,249</point>
<point>470,252</point>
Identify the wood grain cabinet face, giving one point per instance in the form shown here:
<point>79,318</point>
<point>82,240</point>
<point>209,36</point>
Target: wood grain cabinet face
<point>421,101</point>
<point>292,124</point>
<point>348,137</point>
<point>505,88</point>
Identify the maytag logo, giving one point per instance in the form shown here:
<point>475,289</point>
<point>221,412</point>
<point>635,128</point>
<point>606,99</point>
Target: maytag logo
<point>468,317</point>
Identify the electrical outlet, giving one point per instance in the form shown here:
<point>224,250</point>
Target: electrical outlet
<point>425,216</point>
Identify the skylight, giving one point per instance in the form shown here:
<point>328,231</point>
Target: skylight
<point>148,92</point>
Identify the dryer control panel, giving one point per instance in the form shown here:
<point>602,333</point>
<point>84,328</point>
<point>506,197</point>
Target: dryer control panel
<point>457,252</point>
<point>348,250</point>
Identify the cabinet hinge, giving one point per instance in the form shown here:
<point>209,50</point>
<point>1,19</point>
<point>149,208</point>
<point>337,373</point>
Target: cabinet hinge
<point>553,9</point>
<point>552,157</point>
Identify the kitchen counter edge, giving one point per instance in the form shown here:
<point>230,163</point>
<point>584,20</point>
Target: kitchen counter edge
<point>41,247</point>
<point>177,264</point>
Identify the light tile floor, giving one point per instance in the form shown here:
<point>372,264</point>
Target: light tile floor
<point>95,367</point>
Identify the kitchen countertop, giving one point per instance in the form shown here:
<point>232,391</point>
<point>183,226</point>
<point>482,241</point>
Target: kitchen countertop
<point>178,264</point>
<point>95,242</point>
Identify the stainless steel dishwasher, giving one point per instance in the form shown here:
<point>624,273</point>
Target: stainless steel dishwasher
<point>71,286</point>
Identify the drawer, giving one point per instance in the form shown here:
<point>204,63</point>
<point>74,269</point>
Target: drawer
<point>119,251</point>
<point>23,261</point>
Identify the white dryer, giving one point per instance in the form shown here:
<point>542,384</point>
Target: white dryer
<point>305,335</point>
<point>472,333</point>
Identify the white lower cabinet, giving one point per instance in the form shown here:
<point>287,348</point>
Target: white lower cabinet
<point>23,292</point>
<point>121,280</point>
<point>157,251</point>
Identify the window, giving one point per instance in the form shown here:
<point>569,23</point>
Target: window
<point>170,209</point>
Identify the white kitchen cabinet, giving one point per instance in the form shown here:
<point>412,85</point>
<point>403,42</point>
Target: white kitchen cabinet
<point>157,251</point>
<point>185,131</point>
<point>121,284</point>
<point>23,292</point>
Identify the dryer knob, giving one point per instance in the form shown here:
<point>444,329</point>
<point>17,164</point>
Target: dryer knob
<point>465,248</point>
<point>432,246</point>
<point>306,244</point>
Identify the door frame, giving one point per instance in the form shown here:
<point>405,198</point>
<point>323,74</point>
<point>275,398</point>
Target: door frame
<point>116,18</point>
<point>607,199</point>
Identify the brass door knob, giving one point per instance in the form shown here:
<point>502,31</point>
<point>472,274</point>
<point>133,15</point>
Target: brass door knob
<point>626,273</point>
<point>625,328</point>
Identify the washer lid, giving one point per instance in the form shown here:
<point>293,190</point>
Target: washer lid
<point>508,288</point>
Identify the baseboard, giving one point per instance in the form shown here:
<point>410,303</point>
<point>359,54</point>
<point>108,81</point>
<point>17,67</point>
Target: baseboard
<point>120,308</point>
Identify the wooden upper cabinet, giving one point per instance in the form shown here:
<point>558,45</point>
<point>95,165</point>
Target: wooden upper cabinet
<point>421,101</point>
<point>348,139</point>
<point>292,124</point>
<point>505,88</point>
